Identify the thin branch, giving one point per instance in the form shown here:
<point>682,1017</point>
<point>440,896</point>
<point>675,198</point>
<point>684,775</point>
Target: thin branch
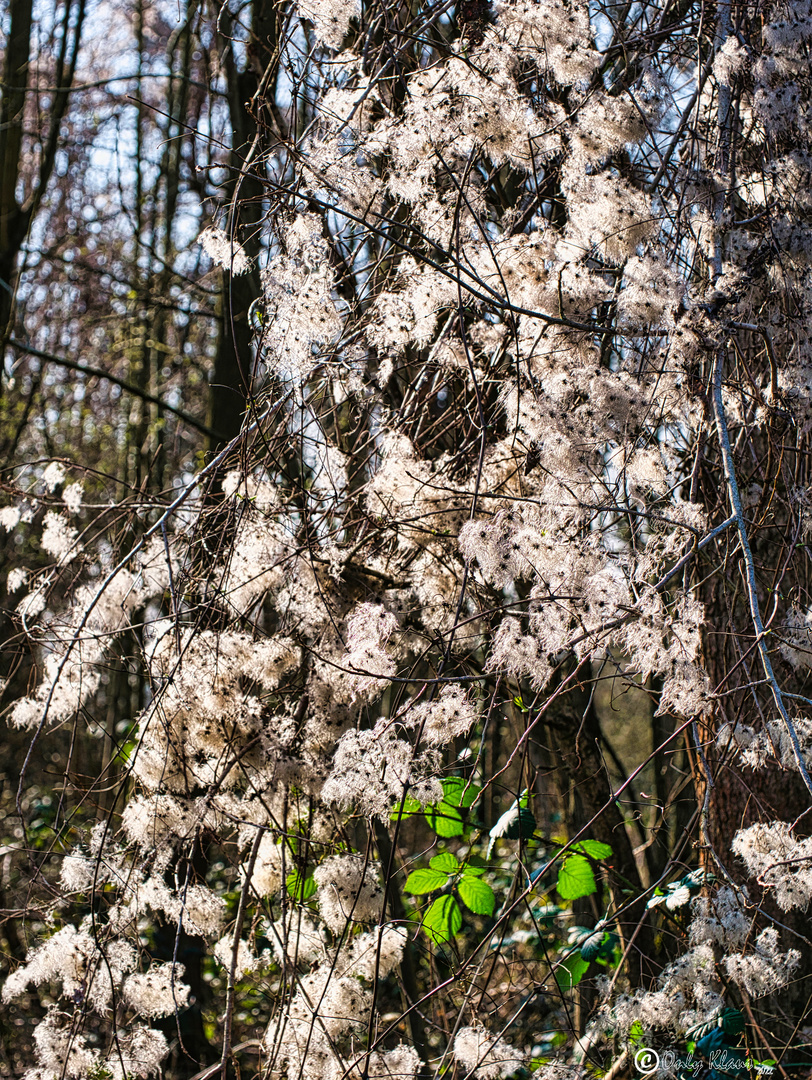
<point>99,373</point>
<point>750,573</point>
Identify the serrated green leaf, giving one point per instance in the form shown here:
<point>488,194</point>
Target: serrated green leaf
<point>443,919</point>
<point>477,895</point>
<point>445,819</point>
<point>636,1032</point>
<point>594,848</point>
<point>410,808</point>
<point>575,878</point>
<point>570,972</point>
<point>459,792</point>
<point>299,888</point>
<point>473,871</point>
<point>420,882</point>
<point>444,861</point>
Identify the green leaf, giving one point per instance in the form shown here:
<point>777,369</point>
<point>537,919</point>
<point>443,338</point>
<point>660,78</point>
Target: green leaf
<point>477,895</point>
<point>591,947</point>
<point>299,888</point>
<point>594,848</point>
<point>575,878</point>
<point>410,808</point>
<point>445,819</point>
<point>522,827</point>
<point>474,871</point>
<point>444,861</point>
<point>608,946</point>
<point>731,1021</point>
<point>546,915</point>
<point>443,919</point>
<point>420,882</point>
<point>459,792</point>
<point>570,972</point>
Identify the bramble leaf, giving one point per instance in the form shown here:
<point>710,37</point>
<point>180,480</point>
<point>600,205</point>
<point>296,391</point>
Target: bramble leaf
<point>299,888</point>
<point>594,848</point>
<point>444,861</point>
<point>459,792</point>
<point>477,895</point>
<point>445,819</point>
<point>575,878</point>
<point>570,972</point>
<point>443,919</point>
<point>420,882</point>
<point>410,808</point>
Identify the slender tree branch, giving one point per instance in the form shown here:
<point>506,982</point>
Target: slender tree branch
<point>100,373</point>
<point>749,566</point>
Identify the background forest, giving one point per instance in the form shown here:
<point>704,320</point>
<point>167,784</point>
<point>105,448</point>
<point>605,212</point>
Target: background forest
<point>405,417</point>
